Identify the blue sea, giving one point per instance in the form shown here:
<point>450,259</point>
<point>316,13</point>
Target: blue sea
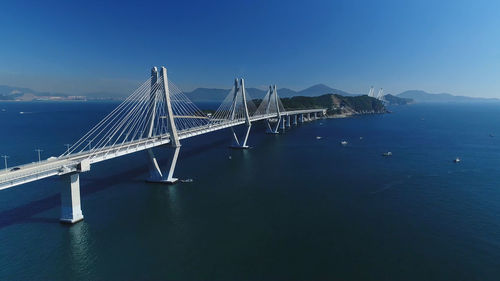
<point>293,207</point>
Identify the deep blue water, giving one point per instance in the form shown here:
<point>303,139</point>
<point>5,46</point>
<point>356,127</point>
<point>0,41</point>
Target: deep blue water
<point>291,208</point>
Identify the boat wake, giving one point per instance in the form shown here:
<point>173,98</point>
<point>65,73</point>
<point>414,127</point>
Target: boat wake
<point>387,186</point>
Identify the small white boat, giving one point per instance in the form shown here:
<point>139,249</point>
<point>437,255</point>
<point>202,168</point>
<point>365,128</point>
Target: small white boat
<point>387,153</point>
<point>360,138</point>
<point>457,160</point>
<point>187,180</point>
<point>318,137</point>
<point>343,142</point>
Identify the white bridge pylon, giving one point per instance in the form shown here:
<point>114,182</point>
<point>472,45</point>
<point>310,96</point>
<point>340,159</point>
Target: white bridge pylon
<point>155,114</point>
<point>271,105</point>
<point>236,107</point>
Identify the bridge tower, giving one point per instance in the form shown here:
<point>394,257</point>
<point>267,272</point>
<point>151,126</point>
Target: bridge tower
<point>380,94</point>
<point>273,99</point>
<point>371,92</point>
<point>172,129</point>
<point>240,88</point>
<point>156,174</point>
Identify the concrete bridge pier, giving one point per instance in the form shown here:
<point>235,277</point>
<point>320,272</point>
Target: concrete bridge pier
<point>301,118</point>
<point>283,123</point>
<point>170,177</point>
<point>270,129</point>
<point>236,143</point>
<point>71,210</point>
<point>288,122</point>
<point>295,119</point>
<point>308,116</point>
<point>244,144</point>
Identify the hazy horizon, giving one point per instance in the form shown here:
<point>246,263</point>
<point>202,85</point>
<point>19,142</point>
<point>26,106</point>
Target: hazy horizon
<point>262,88</point>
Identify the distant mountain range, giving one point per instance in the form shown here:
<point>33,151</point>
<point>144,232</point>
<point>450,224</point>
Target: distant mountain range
<point>18,91</point>
<point>213,95</point>
<point>25,94</point>
<point>397,100</point>
<point>422,96</point>
<point>217,95</point>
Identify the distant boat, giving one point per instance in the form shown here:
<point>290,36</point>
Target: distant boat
<point>457,160</point>
<point>318,137</point>
<point>187,180</point>
<point>387,153</point>
<point>491,135</point>
<point>360,138</point>
<point>343,142</point>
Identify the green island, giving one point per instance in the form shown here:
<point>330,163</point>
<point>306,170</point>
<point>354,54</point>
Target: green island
<point>337,105</point>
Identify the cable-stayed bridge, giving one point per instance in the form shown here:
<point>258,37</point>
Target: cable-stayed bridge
<point>155,114</point>
<point>379,96</point>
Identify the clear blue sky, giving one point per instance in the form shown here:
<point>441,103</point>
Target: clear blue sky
<point>81,46</point>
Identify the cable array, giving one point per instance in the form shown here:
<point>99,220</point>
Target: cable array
<point>144,116</point>
<point>270,103</point>
<point>187,115</point>
<point>141,116</point>
<point>233,107</point>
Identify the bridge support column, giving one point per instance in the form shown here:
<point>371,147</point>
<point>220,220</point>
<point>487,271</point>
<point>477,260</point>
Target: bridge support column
<point>236,144</point>
<point>170,176</point>
<point>283,121</point>
<point>155,174</point>
<point>71,210</point>
<point>308,116</point>
<point>295,119</point>
<point>301,118</point>
<point>288,122</point>
<point>270,129</point>
<point>244,144</point>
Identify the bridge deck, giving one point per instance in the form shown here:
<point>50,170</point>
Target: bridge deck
<point>67,164</point>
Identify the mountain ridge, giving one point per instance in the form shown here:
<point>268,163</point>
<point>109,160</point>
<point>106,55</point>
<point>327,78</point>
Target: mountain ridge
<point>217,95</point>
<point>423,96</point>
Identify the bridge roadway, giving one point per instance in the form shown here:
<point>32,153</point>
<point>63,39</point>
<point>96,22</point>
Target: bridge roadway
<point>72,163</point>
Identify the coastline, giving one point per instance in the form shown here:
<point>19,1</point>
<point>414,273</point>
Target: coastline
<point>348,115</point>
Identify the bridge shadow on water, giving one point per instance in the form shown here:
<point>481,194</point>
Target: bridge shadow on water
<point>25,212</point>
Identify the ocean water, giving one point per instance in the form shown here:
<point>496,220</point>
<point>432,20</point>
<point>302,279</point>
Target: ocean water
<point>291,208</point>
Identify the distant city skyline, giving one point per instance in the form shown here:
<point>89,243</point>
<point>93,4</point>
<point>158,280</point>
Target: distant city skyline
<point>88,47</point>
